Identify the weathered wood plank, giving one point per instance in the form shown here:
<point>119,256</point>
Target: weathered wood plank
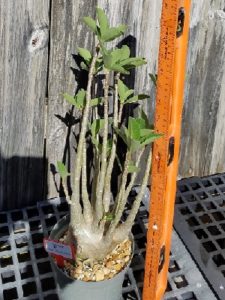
<point>203,141</point>
<point>202,147</point>
<point>23,74</point>
<point>67,33</point>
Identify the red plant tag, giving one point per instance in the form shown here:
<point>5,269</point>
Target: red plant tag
<point>59,250</point>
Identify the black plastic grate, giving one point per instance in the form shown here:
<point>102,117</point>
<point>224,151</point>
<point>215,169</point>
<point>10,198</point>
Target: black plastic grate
<point>25,269</point>
<point>200,222</point>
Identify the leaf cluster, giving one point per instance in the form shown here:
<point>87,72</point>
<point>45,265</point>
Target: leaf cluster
<point>79,100</point>
<point>138,133</point>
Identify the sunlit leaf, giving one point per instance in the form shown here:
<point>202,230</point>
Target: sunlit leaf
<point>84,66</point>
<point>114,32</point>
<point>80,99</point>
<point>137,98</point>
<point>133,129</point>
<point>70,99</point>
<point>146,131</point>
<point>122,90</point>
<point>96,101</point>
<point>133,62</point>
<point>102,20</point>
<point>85,54</point>
<point>90,23</point>
<point>150,138</point>
<point>61,168</point>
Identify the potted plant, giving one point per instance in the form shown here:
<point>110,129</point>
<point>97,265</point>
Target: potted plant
<point>103,239</point>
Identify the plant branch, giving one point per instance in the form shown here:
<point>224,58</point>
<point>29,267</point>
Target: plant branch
<point>125,228</point>
<point>95,179</point>
<point>119,206</point>
<point>133,177</point>
<point>107,190</point>
<point>78,161</point>
<point>76,210</point>
<point>64,185</point>
<point>99,204</point>
<point>85,198</point>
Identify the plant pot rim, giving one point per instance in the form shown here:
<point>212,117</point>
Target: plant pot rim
<point>64,219</point>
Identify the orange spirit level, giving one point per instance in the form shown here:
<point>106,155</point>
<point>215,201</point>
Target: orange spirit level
<point>169,103</point>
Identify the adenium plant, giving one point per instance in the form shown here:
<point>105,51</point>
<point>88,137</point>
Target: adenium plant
<point>95,218</point>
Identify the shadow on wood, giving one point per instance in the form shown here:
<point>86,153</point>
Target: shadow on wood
<point>22,181</point>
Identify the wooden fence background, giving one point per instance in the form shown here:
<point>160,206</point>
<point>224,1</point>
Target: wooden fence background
<point>38,39</point>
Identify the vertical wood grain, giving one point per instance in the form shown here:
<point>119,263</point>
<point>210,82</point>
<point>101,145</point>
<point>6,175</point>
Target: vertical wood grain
<point>203,141</point>
<point>143,20</point>
<point>67,34</point>
<point>23,78</point>
<point>24,84</point>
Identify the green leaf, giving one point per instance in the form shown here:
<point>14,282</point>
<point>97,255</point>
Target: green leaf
<point>123,133</point>
<point>90,23</point>
<point>108,216</point>
<point>132,168</point>
<point>95,142</point>
<point>133,129</point>
<point>134,146</point>
<point>96,101</point>
<point>143,96</point>
<point>144,132</point>
<point>99,65</point>
<point>119,69</point>
<point>133,62</point>
<point>83,66</point>
<point>61,168</point>
<point>145,118</point>
<point>70,99</point>
<point>124,52</point>
<point>80,99</point>
<point>128,93</point>
<point>153,78</point>
<point>96,126</point>
<point>150,138</point>
<point>137,98</point>
<point>122,90</point>
<point>132,100</point>
<point>112,59</point>
<point>114,32</point>
<point>102,20</point>
<point>120,54</point>
<point>85,54</point>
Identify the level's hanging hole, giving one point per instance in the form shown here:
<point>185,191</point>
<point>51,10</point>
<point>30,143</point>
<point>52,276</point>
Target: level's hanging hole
<point>161,258</point>
<point>180,25</point>
<point>171,150</point>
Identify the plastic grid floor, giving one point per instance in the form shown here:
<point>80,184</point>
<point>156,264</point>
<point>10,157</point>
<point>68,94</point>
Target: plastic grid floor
<point>200,222</point>
<point>25,269</point>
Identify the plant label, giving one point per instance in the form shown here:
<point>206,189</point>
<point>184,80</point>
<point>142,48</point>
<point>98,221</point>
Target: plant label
<point>59,249</point>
